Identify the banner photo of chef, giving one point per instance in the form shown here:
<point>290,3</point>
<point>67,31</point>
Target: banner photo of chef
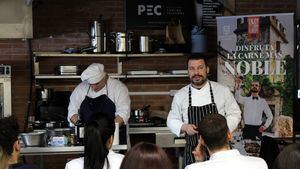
<point>256,58</point>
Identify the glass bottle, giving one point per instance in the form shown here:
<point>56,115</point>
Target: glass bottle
<point>79,132</point>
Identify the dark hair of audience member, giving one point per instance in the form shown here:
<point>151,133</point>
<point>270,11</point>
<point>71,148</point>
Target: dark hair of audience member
<point>213,129</point>
<point>146,156</point>
<point>9,131</point>
<point>288,158</point>
<point>97,133</point>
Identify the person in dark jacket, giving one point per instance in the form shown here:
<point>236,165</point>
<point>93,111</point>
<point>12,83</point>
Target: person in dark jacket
<point>10,144</point>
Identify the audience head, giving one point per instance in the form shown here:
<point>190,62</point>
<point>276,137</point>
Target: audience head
<point>3,159</point>
<point>214,132</point>
<point>288,158</point>
<point>98,139</point>
<point>9,131</point>
<point>146,156</point>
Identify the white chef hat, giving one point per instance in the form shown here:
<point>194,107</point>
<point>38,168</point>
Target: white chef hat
<point>93,73</point>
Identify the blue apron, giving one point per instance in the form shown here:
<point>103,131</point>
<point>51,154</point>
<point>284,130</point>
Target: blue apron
<point>101,104</point>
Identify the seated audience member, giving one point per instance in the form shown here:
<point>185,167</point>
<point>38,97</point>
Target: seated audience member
<point>146,156</point>
<point>98,140</point>
<point>10,144</point>
<point>215,136</point>
<point>288,158</point>
<point>3,160</point>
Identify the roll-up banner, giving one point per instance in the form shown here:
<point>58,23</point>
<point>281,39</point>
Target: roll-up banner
<point>256,61</point>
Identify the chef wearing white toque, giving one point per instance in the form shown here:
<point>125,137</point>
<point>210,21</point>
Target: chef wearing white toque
<point>98,93</point>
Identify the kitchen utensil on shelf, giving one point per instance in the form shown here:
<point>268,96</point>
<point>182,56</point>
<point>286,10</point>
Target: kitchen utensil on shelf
<point>142,72</point>
<point>122,41</point>
<point>145,44</point>
<point>68,70</point>
<point>97,35</point>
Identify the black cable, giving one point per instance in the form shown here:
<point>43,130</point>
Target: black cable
<point>30,54</point>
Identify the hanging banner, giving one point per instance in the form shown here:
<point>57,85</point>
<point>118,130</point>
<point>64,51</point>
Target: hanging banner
<point>256,60</point>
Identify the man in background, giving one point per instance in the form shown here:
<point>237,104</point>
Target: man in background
<point>10,144</point>
<point>215,136</point>
<point>254,107</point>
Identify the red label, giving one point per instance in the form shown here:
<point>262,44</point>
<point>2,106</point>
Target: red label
<point>253,27</point>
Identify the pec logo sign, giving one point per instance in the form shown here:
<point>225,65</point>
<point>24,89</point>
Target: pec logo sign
<point>149,10</point>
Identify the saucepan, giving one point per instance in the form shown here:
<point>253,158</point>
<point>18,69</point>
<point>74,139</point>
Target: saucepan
<point>145,44</point>
<point>122,41</point>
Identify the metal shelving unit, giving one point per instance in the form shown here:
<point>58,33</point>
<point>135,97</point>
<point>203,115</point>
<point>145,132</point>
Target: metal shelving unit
<point>119,64</point>
<point>59,54</point>
<point>119,75</point>
<point>49,76</point>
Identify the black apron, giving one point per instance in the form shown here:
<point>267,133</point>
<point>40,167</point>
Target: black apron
<point>195,114</point>
<point>101,104</point>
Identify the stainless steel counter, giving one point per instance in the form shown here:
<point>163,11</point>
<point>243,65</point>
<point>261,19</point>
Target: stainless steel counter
<point>60,150</point>
<point>163,136</point>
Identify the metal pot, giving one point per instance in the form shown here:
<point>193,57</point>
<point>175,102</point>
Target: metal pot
<point>45,94</point>
<point>97,35</point>
<point>145,44</point>
<point>122,41</point>
<point>34,139</point>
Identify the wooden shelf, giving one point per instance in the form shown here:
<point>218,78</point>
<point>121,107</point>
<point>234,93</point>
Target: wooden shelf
<point>52,76</point>
<point>59,54</point>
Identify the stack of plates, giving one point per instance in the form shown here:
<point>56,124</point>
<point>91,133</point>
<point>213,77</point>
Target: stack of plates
<point>179,72</point>
<point>143,72</point>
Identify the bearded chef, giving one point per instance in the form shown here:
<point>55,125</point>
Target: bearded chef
<point>99,93</point>
<point>197,99</point>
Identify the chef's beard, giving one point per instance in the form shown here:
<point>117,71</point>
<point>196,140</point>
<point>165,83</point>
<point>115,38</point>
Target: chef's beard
<point>199,82</point>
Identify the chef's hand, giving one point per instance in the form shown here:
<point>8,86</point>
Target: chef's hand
<point>190,129</point>
<point>198,153</point>
<point>119,120</point>
<point>262,129</point>
<point>74,118</point>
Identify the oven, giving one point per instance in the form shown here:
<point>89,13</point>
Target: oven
<point>5,90</point>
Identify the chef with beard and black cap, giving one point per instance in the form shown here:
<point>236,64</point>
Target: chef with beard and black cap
<point>254,107</point>
<point>98,93</point>
<point>199,98</point>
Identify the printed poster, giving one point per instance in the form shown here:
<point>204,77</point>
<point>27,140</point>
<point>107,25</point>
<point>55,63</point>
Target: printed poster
<point>256,61</point>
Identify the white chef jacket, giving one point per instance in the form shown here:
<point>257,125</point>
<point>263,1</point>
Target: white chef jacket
<point>117,92</point>
<point>225,102</point>
<point>114,160</point>
<point>253,110</point>
<point>230,159</point>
